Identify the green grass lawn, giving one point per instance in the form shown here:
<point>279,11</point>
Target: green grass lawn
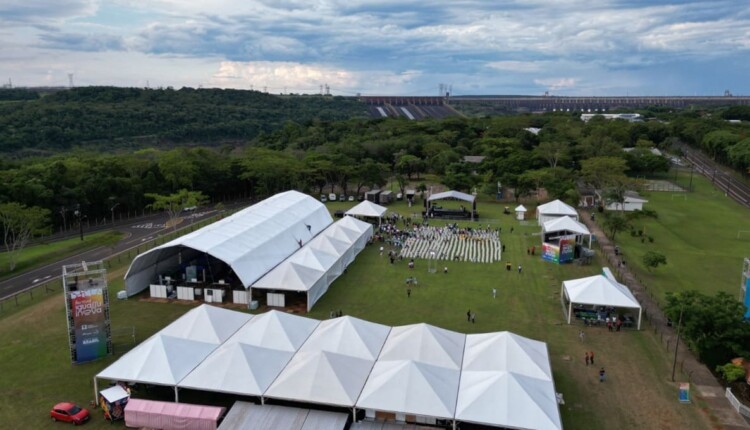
<point>45,253</point>
<point>698,234</point>
<point>37,370</point>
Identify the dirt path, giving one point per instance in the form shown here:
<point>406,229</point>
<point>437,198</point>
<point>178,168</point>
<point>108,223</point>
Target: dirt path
<point>706,386</point>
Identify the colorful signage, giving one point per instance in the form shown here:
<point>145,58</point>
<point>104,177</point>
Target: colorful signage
<point>747,297</point>
<point>567,249</point>
<point>89,324</point>
<point>684,392</point>
<point>550,252</point>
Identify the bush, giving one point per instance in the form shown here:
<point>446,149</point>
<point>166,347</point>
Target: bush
<point>731,372</point>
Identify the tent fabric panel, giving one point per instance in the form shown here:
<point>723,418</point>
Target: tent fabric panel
<point>367,209</point>
<point>452,195</point>
<point>564,223</point>
<point>598,290</point>
<point>425,343</point>
<point>508,352</point>
<point>556,207</point>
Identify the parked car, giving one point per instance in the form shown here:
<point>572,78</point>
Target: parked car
<point>69,413</point>
<point>342,198</point>
<point>323,198</point>
<point>332,197</point>
<point>351,198</point>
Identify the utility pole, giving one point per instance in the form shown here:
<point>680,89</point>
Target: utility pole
<point>78,213</point>
<point>112,209</point>
<point>677,344</point>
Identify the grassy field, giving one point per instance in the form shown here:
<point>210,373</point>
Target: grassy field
<point>37,371</point>
<point>698,234</point>
<point>45,253</point>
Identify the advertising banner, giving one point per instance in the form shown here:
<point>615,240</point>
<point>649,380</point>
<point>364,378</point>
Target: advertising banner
<point>551,252</point>
<point>684,392</point>
<point>567,249</point>
<point>747,298</point>
<point>89,323</point>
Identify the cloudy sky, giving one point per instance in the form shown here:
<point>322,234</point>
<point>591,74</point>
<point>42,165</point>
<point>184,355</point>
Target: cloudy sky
<point>407,47</point>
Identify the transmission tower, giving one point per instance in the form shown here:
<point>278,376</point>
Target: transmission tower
<point>70,80</point>
<point>328,90</point>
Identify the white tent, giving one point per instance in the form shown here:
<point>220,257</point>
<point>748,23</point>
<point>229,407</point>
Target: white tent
<point>599,291</point>
<point>506,381</point>
<point>249,361</point>
<point>367,209</point>
<point>251,242</point>
<point>563,225</point>
<point>417,372</point>
<point>314,267</point>
<point>520,212</point>
<point>168,356</point>
<point>333,364</point>
<point>457,195</point>
<point>554,209</point>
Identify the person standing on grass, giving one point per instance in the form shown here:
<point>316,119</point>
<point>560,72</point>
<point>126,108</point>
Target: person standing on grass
<point>581,335</point>
<point>591,357</point>
<point>602,375</point>
<point>494,293</point>
<point>408,293</point>
<point>588,360</point>
<point>468,315</point>
<point>473,317</point>
<point>519,269</point>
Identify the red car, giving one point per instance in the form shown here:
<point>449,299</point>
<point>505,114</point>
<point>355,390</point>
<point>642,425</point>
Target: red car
<point>69,413</point>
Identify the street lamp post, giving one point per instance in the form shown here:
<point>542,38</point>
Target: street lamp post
<point>78,213</point>
<point>677,343</point>
<point>112,209</point>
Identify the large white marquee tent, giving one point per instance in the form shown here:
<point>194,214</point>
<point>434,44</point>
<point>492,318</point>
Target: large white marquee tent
<point>317,264</point>
<point>251,241</point>
<point>554,209</point>
<point>597,290</point>
<point>422,371</point>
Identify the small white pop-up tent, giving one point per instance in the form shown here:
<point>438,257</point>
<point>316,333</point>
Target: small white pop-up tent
<point>564,226</point>
<point>520,212</point>
<point>554,209</point>
<point>598,291</point>
<point>418,373</point>
<point>332,366</point>
<point>506,381</point>
<point>367,209</point>
<point>249,361</point>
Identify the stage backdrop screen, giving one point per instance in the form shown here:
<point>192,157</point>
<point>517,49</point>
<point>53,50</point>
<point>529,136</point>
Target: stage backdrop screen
<point>89,323</point>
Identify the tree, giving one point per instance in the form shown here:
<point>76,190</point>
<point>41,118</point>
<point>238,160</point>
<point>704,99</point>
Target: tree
<point>615,223</point>
<point>603,171</point>
<point>20,224</point>
<point>717,142</point>
<point>173,204</point>
<point>713,326</point>
<point>410,165</point>
<point>553,152</point>
<point>739,155</point>
<point>652,259</point>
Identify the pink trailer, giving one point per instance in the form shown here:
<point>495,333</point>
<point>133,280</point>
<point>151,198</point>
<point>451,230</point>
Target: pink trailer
<point>171,416</point>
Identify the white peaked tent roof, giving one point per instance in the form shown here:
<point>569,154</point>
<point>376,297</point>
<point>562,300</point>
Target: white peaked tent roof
<point>173,352</point>
<point>520,208</point>
<point>206,323</point>
<point>333,364</point>
<point>161,360</point>
<point>417,372</point>
<point>458,195</point>
<point>565,223</point>
<point>556,207</point>
<point>599,290</point>
<point>507,381</point>
<point>249,361</point>
<point>306,267</point>
<point>253,240</point>
<point>367,209</point>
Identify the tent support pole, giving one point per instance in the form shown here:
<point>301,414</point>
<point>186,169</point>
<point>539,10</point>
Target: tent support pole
<point>176,395</point>
<point>570,310</point>
<point>640,312</point>
<point>590,241</point>
<point>454,424</point>
<point>262,401</point>
<point>354,414</point>
<point>96,391</point>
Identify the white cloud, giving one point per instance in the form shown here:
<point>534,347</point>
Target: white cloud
<point>518,66</point>
<point>555,84</point>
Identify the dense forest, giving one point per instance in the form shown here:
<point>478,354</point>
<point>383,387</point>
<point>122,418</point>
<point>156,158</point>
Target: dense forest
<point>117,118</point>
<point>353,155</point>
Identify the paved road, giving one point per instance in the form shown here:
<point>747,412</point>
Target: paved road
<point>138,232</point>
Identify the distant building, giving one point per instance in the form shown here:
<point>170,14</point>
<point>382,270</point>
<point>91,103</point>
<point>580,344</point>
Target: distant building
<point>631,117</point>
<point>533,130</point>
<point>632,202</point>
<point>654,151</point>
<point>476,159</point>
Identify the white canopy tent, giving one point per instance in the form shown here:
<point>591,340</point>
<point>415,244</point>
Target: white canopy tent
<point>598,291</point>
<point>251,242</point>
<point>332,366</point>
<point>565,225</point>
<point>520,212</point>
<point>317,264</point>
<point>368,209</point>
<point>168,356</point>
<point>554,209</point>
<point>506,381</point>
<point>418,372</point>
<point>453,195</point>
<point>249,361</point>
